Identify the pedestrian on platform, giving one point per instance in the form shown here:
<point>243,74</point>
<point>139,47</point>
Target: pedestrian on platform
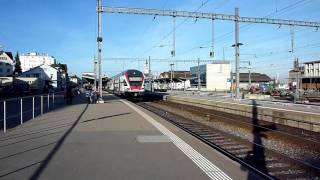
<point>69,95</point>
<point>89,94</point>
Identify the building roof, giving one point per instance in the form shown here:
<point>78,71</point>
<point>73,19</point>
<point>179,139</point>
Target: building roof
<point>255,77</point>
<point>64,67</point>
<point>176,74</point>
<point>74,76</point>
<point>36,68</point>
<point>310,62</point>
<point>8,54</point>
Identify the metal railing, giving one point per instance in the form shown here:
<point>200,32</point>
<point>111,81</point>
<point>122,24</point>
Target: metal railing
<point>16,111</point>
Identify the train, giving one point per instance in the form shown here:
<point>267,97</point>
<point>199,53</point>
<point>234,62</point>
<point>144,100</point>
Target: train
<point>129,83</point>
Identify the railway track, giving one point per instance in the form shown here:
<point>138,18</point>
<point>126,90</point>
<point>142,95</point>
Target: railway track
<point>253,155</point>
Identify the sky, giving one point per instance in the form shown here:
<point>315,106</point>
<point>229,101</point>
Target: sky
<point>67,30</point>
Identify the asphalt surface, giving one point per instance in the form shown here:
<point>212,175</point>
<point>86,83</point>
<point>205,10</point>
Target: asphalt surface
<point>103,141</point>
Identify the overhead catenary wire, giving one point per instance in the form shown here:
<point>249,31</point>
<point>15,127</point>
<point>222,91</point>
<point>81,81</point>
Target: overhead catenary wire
<point>170,32</point>
<point>243,27</point>
<point>122,59</point>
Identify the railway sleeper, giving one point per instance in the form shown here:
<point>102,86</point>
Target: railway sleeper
<point>288,172</point>
<point>278,169</point>
<point>227,143</point>
<point>200,129</point>
<point>187,124</point>
<point>219,138</point>
<point>208,134</point>
<point>234,147</point>
<point>297,176</point>
<point>277,165</point>
<point>221,142</point>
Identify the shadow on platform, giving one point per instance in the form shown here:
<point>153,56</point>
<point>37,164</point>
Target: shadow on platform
<point>105,117</point>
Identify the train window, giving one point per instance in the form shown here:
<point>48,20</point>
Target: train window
<point>135,83</point>
<point>124,83</point>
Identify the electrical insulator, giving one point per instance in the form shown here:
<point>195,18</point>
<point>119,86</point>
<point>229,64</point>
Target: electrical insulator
<point>99,39</point>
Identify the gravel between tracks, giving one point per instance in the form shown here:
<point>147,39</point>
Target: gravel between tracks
<point>305,152</point>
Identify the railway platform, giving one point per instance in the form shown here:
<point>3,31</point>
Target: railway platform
<point>114,140</point>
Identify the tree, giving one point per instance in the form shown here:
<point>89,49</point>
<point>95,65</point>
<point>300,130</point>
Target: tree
<point>17,66</point>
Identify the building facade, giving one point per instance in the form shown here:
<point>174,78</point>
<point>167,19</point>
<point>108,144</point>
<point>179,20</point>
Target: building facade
<point>6,63</point>
<point>75,79</point>
<point>311,76</point>
<point>213,77</point>
<point>50,75</point>
<point>251,80</point>
<point>33,59</point>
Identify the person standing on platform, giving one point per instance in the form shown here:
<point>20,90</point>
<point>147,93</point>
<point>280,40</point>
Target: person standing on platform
<point>89,94</point>
<point>69,95</point>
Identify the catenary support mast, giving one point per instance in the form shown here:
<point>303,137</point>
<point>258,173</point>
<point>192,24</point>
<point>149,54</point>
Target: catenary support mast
<point>99,40</point>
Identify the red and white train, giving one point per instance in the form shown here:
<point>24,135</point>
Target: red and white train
<point>129,83</point>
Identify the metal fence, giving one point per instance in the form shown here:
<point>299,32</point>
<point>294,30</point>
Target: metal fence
<point>16,111</point>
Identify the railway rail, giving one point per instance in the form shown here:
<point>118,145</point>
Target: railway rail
<point>252,154</point>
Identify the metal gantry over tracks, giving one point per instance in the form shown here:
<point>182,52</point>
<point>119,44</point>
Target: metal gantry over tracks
<point>212,16</point>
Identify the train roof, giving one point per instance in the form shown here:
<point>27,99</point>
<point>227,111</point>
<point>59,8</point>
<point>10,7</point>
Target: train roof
<point>123,72</point>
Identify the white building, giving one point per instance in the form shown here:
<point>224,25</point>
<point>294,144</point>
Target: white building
<point>6,63</point>
<point>311,75</point>
<point>49,74</point>
<point>75,79</point>
<point>33,59</point>
<point>312,69</point>
<point>213,77</point>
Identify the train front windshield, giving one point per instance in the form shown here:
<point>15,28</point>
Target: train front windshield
<point>135,77</point>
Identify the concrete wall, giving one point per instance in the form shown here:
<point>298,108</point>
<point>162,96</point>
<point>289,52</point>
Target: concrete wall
<point>303,120</point>
<point>217,76</point>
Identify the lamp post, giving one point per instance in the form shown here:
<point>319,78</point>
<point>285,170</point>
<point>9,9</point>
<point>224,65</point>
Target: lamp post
<point>199,78</point>
<point>99,41</point>
<point>237,67</point>
<point>171,76</point>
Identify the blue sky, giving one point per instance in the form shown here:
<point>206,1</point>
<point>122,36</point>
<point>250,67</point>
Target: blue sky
<point>67,30</point>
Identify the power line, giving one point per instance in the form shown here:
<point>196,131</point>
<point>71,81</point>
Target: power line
<point>249,24</point>
<point>314,45</point>
<point>176,27</point>
<point>122,59</point>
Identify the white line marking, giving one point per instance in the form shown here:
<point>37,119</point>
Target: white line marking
<point>203,163</point>
<point>153,139</point>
